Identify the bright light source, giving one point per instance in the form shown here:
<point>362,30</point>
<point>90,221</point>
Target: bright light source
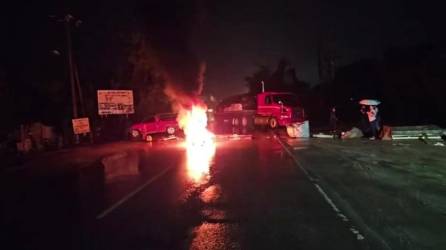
<point>200,145</point>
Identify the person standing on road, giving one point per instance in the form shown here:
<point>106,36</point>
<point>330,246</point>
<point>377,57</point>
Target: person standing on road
<point>374,121</point>
<point>333,121</point>
<point>364,121</point>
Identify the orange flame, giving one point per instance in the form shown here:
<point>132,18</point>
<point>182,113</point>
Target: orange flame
<point>200,145</point>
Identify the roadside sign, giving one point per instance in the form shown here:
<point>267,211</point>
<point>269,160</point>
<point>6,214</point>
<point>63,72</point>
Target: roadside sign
<point>81,125</point>
<point>115,102</point>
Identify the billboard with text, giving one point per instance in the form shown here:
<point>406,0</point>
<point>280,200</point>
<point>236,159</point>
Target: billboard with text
<point>115,102</point>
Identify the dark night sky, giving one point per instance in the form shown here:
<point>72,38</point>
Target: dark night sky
<point>293,29</point>
<point>231,36</point>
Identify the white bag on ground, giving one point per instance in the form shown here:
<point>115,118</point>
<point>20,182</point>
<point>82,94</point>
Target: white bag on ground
<point>299,130</point>
<point>352,133</point>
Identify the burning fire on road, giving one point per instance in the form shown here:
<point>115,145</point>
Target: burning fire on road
<point>173,55</point>
<point>199,141</point>
<point>192,119</point>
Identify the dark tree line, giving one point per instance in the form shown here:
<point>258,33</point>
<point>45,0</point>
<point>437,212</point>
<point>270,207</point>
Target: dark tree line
<point>410,82</point>
<point>283,78</point>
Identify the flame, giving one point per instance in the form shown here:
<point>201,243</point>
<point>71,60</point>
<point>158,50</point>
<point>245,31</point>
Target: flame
<point>199,142</point>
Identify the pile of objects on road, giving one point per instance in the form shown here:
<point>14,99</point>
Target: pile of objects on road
<point>371,127</point>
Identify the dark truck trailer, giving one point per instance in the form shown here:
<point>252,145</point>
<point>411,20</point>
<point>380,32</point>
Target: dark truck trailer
<point>266,109</point>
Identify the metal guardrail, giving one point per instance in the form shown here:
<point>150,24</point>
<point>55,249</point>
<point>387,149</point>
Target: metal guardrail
<point>417,132</point>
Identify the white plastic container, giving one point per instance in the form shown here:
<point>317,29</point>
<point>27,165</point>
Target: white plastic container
<point>299,130</point>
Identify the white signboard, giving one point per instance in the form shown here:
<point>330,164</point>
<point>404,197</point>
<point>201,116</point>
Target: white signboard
<point>81,125</point>
<point>115,102</point>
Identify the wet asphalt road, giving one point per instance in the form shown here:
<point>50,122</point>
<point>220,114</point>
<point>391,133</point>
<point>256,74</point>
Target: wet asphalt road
<point>252,196</point>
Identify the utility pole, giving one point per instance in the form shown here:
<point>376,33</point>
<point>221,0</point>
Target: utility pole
<point>68,18</point>
<point>79,89</point>
<point>76,98</point>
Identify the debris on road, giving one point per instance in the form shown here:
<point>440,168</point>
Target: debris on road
<point>352,133</point>
<point>298,130</point>
<point>386,133</point>
<point>322,135</point>
<point>170,137</point>
<point>233,136</point>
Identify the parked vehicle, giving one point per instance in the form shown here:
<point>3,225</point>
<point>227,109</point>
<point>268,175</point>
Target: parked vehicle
<point>272,109</point>
<point>158,124</point>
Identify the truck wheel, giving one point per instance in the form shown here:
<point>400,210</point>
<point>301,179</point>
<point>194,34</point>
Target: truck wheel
<point>244,121</point>
<point>235,121</point>
<point>135,135</point>
<point>170,130</point>
<point>148,138</point>
<point>272,123</point>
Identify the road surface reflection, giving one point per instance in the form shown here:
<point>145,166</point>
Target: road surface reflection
<point>199,159</point>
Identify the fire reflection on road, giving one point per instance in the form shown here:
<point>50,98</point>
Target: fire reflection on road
<point>199,159</point>
<point>217,236</point>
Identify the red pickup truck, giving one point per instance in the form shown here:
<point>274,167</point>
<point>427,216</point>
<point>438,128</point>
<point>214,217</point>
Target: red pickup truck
<point>271,109</point>
<point>157,124</point>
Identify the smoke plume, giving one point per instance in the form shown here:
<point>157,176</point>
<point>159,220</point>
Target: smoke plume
<point>173,29</point>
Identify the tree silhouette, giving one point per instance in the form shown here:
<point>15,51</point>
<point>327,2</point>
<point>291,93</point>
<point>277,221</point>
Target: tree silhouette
<point>284,79</point>
<point>146,78</point>
<point>263,73</point>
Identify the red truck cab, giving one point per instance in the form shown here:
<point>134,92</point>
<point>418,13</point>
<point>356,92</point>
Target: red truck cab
<point>278,109</point>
